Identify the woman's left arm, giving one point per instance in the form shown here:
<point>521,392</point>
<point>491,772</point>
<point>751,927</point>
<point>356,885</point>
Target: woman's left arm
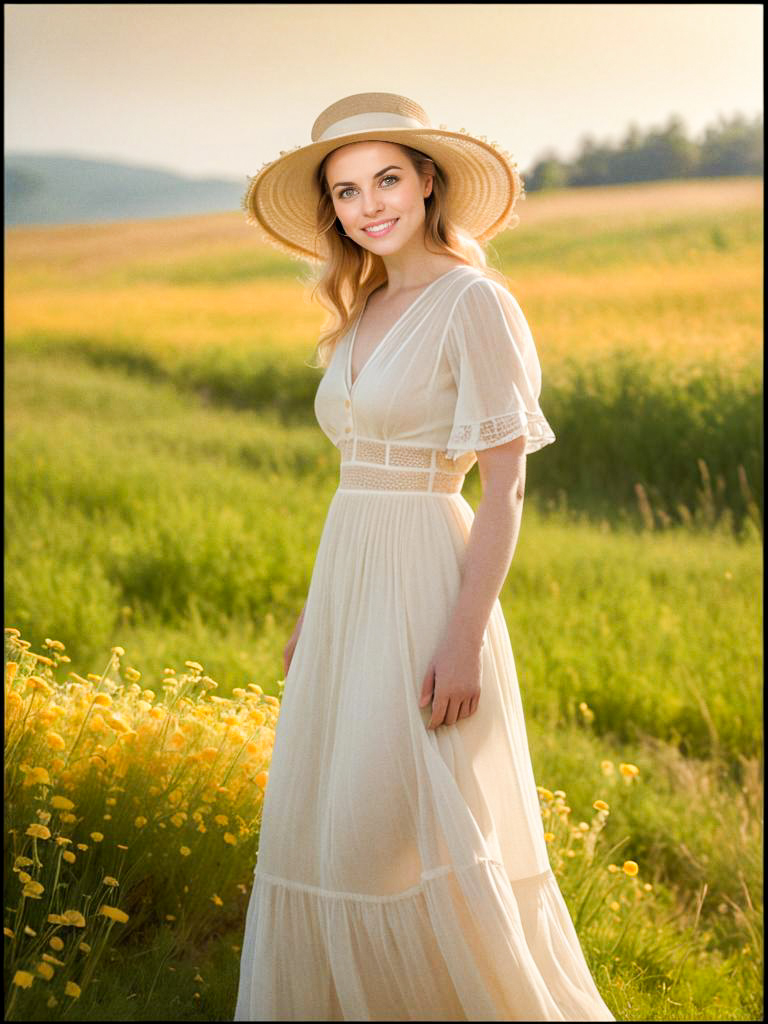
<point>452,679</point>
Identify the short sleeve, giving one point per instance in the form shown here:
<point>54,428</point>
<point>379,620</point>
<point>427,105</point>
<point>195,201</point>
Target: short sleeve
<point>494,361</point>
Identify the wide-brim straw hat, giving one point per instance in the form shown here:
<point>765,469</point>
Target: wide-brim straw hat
<point>483,180</point>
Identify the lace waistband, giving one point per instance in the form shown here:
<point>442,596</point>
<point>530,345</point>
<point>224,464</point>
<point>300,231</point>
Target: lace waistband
<point>369,464</point>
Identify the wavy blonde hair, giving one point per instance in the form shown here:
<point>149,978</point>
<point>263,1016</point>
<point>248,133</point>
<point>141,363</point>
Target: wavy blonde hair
<point>351,273</point>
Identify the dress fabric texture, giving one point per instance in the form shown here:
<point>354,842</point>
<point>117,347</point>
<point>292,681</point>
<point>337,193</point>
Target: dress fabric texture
<point>402,871</point>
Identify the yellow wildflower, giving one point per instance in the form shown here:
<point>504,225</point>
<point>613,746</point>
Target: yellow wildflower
<point>615,905</point>
<point>85,947</point>
<point>93,677</point>
<point>103,700</point>
<point>601,805</point>
<point>38,832</point>
<point>74,918</point>
<point>23,979</point>
<point>261,780</point>
<point>45,971</point>
<point>44,659</point>
<point>61,803</point>
<point>217,900</point>
<point>33,890</point>
<point>54,740</point>
<point>113,913</point>
<point>69,857</point>
<point>629,771</point>
<point>229,838</point>
<point>56,943</point>
<point>140,822</point>
<point>8,933</point>
<point>72,989</point>
<point>612,868</point>
<point>67,818</point>
<point>549,836</point>
<point>132,674</point>
<point>546,793</point>
<point>148,694</point>
<point>115,722</point>
<point>221,819</point>
<point>194,665</point>
<point>22,862</point>
<point>37,777</point>
<point>630,867</point>
<point>109,880</point>
<point>97,837</point>
<point>24,877</point>
<point>606,767</point>
<point>119,651</point>
<point>11,668</point>
<point>587,712</point>
<point>185,851</point>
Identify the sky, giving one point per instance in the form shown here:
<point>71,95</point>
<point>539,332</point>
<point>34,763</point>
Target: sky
<point>219,89</point>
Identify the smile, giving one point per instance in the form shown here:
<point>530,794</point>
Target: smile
<point>381,229</point>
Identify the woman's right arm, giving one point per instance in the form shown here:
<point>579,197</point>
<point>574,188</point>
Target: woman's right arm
<point>291,645</point>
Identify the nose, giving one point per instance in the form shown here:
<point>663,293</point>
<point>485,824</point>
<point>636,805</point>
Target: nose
<point>372,204</point>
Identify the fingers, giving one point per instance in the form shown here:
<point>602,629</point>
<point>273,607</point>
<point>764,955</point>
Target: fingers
<point>447,711</point>
<point>427,686</point>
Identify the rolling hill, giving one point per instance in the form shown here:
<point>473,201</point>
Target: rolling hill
<point>57,189</point>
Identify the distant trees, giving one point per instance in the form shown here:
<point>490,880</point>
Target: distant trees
<point>730,147</point>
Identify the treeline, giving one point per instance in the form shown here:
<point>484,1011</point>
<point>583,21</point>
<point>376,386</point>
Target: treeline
<point>730,147</point>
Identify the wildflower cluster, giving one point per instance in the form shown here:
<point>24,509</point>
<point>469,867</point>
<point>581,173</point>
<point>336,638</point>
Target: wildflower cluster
<point>593,885</point>
<point>115,799</point>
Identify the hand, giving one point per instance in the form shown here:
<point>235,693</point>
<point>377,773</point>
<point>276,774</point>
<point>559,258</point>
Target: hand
<point>452,680</point>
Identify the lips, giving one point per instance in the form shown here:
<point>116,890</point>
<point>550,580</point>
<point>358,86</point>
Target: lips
<point>383,228</point>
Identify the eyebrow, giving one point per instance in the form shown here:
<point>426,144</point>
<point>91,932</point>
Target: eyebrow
<point>378,174</point>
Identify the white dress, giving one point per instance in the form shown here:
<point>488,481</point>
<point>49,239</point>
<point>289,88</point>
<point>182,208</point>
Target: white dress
<point>402,871</point>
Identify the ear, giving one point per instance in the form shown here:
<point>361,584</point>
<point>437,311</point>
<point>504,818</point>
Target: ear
<point>428,185</point>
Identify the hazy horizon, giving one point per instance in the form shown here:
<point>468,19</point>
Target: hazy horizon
<point>135,84</point>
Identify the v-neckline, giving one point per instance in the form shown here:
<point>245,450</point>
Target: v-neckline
<point>350,385</point>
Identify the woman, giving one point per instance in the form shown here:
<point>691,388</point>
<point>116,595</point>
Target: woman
<point>402,870</point>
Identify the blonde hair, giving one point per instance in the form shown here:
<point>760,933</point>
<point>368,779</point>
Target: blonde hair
<point>351,273</point>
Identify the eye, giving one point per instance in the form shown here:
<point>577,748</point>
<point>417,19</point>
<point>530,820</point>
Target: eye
<point>387,177</point>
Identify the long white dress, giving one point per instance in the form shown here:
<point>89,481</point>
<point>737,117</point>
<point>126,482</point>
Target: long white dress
<point>402,871</point>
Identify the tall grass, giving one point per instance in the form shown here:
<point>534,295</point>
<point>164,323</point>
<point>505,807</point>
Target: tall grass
<point>648,328</point>
<point>166,487</point>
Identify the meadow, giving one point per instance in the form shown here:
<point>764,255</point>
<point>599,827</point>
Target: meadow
<point>166,486</point>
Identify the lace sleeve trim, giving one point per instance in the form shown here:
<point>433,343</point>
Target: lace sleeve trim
<point>499,430</point>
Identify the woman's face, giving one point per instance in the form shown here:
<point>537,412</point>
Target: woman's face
<point>363,195</point>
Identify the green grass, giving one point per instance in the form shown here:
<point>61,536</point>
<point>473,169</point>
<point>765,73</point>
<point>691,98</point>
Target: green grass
<point>138,516</point>
<point>169,497</point>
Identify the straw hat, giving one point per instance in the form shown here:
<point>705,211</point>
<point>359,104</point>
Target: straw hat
<point>483,180</point>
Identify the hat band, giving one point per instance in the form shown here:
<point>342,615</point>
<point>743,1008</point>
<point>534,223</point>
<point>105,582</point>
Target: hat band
<point>364,122</point>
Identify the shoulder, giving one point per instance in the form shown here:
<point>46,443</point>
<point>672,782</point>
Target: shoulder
<point>478,295</point>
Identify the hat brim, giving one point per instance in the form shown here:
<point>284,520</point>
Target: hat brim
<point>483,180</point>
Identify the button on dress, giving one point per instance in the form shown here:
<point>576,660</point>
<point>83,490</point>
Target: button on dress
<point>402,871</point>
